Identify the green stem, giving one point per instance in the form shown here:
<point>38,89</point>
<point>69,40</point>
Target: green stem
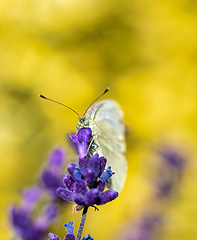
<point>82,223</point>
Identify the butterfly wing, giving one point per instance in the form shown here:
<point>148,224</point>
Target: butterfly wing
<point>106,122</point>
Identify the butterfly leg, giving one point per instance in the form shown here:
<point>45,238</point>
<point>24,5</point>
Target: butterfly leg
<point>90,145</point>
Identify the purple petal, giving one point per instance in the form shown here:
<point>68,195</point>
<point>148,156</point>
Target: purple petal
<point>82,149</point>
<point>20,218</point>
<point>84,134</point>
<point>77,174</point>
<point>50,212</point>
<point>173,157</point>
<point>82,140</point>
<point>24,226</point>
<point>103,164</point>
<point>108,196</point>
<point>70,169</point>
<point>95,164</point>
<point>72,144</point>
<point>83,162</point>
<point>48,215</point>
<point>92,197</point>
<point>90,176</point>
<point>74,138</point>
<point>79,199</point>
<point>50,180</point>
<point>101,185</point>
<point>68,182</point>
<point>31,196</point>
<point>108,173</point>
<point>57,158</point>
<point>70,237</point>
<point>64,194</point>
<point>69,227</point>
<point>80,187</point>
<point>53,237</point>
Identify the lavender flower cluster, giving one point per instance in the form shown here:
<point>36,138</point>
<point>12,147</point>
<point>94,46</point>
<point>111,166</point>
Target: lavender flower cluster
<point>23,220</point>
<point>84,184</point>
<point>171,164</point>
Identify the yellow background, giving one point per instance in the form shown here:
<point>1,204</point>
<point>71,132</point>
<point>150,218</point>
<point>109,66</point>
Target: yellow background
<point>71,50</point>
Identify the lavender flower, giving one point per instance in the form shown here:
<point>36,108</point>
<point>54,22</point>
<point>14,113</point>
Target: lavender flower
<point>85,185</point>
<point>27,227</point>
<point>70,235</point>
<point>174,158</point>
<point>144,229</point>
<point>170,170</point>
<point>51,177</point>
<point>82,139</point>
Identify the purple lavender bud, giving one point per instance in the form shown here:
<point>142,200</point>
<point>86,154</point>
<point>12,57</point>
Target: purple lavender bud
<point>68,182</point>
<point>82,139</point>
<point>101,185</point>
<point>88,237</point>
<point>173,157</point>
<point>57,158</point>
<point>79,199</point>
<point>81,188</point>
<point>48,215</point>
<point>103,161</point>
<point>107,196</point>
<point>70,230</point>
<point>108,173</point>
<point>90,176</point>
<point>70,237</point>
<point>77,174</point>
<point>51,177</point>
<point>70,169</point>
<point>92,197</point>
<point>65,194</point>
<point>69,227</point>
<point>53,237</point>
<point>170,169</point>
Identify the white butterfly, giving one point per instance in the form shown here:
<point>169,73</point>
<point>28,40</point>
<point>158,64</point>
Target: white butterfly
<point>105,118</point>
<point>106,122</point>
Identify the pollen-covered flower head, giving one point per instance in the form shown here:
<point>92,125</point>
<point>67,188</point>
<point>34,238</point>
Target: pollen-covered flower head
<point>85,183</point>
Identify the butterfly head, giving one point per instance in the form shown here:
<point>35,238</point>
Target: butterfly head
<point>83,122</point>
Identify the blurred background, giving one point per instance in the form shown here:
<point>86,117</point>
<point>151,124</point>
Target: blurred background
<point>146,53</point>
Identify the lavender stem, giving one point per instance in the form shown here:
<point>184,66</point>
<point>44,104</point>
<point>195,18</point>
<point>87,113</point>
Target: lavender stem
<point>82,223</point>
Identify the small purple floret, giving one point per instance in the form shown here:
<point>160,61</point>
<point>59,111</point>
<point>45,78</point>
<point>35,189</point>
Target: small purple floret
<point>53,237</point>
<point>108,173</point>
<point>69,227</point>
<point>82,139</point>
<point>51,177</point>
<point>56,159</point>
<point>70,230</point>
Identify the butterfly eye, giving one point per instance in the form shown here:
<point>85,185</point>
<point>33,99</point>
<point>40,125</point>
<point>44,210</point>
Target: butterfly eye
<point>86,121</point>
<point>79,121</point>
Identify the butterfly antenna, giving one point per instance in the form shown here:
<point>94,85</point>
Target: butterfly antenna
<point>106,90</point>
<point>58,103</point>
